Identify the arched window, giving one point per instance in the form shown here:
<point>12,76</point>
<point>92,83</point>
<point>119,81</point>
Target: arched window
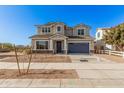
<point>98,34</point>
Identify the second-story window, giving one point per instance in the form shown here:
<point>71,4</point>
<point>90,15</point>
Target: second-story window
<point>43,30</point>
<point>58,28</point>
<point>48,29</point>
<point>98,34</point>
<point>80,31</point>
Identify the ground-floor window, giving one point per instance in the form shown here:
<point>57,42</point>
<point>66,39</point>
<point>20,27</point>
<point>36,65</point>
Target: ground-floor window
<point>41,44</point>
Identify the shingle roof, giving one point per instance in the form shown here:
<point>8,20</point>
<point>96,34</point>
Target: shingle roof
<point>50,23</point>
<point>40,36</point>
<point>80,37</point>
<point>71,37</point>
<point>82,25</point>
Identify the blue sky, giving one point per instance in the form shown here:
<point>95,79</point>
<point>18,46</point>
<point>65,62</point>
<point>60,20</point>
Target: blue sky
<point>17,22</point>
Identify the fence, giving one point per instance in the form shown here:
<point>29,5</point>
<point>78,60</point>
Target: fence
<point>116,53</point>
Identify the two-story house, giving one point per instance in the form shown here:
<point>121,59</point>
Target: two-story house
<point>57,37</point>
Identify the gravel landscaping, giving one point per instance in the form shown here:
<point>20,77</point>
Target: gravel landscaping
<point>5,56</point>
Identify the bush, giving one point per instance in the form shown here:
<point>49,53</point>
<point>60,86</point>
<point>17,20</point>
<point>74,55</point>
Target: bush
<point>27,51</point>
<point>4,50</point>
<point>6,47</point>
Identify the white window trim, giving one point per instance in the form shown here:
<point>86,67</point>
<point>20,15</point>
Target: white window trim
<point>61,31</point>
<point>98,34</point>
<point>80,31</point>
<point>41,49</point>
<point>60,28</point>
<point>46,27</point>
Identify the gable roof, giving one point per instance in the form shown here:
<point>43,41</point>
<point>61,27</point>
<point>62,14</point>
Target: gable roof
<point>50,23</point>
<point>81,37</point>
<point>47,36</point>
<point>54,23</point>
<point>81,24</point>
<point>58,34</point>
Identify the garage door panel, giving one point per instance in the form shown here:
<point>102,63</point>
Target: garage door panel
<point>78,47</point>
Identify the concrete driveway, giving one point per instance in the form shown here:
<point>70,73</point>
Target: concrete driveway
<point>95,73</point>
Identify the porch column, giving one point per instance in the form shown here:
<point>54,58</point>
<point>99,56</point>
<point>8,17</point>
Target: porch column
<point>51,44</point>
<point>65,46</point>
<point>33,44</point>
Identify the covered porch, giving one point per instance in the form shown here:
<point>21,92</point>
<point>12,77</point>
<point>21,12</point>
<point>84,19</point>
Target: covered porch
<point>58,44</point>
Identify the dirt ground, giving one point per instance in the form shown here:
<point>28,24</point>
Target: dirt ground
<point>38,74</point>
<point>39,58</point>
<point>5,56</point>
<point>112,58</point>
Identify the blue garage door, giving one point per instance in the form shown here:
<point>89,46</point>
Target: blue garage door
<point>78,47</point>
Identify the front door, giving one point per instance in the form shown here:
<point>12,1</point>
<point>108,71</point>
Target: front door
<point>58,46</point>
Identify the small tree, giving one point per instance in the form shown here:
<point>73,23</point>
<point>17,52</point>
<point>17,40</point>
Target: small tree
<point>115,36</point>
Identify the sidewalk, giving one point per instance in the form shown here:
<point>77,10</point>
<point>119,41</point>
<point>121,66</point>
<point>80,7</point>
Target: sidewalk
<point>103,73</point>
<point>112,58</point>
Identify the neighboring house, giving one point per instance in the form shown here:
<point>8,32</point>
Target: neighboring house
<point>99,36</point>
<point>57,37</point>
